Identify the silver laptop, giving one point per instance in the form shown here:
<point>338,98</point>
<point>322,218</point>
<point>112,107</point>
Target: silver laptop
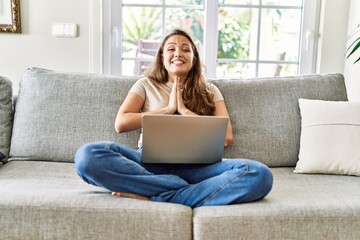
<point>176,139</point>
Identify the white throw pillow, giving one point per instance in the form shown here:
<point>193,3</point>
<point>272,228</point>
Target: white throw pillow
<point>330,137</point>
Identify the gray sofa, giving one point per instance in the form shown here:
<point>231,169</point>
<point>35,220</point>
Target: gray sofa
<point>41,196</point>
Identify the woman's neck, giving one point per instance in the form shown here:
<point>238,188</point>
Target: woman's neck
<point>171,78</point>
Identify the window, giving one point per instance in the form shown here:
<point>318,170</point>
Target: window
<point>236,38</point>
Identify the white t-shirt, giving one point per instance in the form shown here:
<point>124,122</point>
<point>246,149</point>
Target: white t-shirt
<point>158,97</point>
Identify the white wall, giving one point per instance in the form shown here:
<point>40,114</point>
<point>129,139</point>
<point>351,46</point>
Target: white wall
<point>333,34</point>
<point>338,19</point>
<point>352,71</point>
<point>36,47</point>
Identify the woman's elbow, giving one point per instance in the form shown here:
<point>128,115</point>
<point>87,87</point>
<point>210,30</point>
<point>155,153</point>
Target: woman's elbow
<point>228,141</point>
<point>117,129</point>
<point>120,127</point>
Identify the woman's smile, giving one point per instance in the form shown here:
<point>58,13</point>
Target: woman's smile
<point>177,62</point>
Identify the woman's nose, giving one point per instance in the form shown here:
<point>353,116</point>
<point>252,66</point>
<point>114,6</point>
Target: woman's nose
<point>177,52</point>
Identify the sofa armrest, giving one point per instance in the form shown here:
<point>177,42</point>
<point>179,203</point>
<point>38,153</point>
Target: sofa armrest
<point>6,117</point>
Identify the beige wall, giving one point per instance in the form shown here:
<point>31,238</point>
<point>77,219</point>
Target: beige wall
<point>36,47</point>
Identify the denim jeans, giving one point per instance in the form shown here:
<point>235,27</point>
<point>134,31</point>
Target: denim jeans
<point>118,168</point>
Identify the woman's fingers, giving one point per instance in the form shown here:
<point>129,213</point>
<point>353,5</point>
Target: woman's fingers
<point>180,101</point>
<point>172,100</point>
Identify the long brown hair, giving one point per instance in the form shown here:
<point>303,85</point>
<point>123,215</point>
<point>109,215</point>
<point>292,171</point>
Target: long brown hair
<point>197,97</point>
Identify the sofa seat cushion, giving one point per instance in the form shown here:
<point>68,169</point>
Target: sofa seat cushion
<point>47,200</point>
<point>299,207</point>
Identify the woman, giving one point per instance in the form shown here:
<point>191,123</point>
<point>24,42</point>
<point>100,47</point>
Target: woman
<point>174,84</point>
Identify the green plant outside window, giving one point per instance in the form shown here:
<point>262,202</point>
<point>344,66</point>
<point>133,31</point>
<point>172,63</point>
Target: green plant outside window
<point>355,44</point>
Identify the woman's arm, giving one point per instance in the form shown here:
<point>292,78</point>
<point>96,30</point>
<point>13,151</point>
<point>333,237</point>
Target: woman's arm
<point>129,116</point>
<point>221,110</point>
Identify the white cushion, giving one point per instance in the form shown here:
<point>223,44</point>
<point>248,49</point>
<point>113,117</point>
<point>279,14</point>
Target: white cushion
<point>330,137</point>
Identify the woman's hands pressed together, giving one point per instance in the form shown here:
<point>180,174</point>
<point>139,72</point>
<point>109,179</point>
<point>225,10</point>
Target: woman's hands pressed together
<point>176,101</point>
<point>172,106</point>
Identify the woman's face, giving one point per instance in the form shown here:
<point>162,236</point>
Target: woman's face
<point>178,57</point>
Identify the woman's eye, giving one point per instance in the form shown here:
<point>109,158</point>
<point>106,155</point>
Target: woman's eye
<point>171,49</point>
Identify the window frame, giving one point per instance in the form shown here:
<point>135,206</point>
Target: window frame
<point>309,34</point>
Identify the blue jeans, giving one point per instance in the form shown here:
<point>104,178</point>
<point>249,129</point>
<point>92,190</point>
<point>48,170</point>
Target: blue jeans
<point>118,168</point>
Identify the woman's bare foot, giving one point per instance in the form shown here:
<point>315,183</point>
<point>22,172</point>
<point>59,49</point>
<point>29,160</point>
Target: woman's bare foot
<point>130,195</point>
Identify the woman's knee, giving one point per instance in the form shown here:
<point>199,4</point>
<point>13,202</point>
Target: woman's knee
<point>87,158</point>
<point>260,178</point>
<point>264,178</point>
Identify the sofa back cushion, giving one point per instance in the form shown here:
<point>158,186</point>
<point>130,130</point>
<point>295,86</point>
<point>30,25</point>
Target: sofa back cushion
<point>6,117</point>
<point>58,112</point>
<point>266,117</point>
